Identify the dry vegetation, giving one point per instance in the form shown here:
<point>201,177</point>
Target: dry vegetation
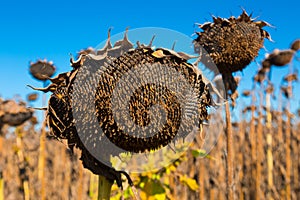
<point>66,179</point>
<point>264,150</point>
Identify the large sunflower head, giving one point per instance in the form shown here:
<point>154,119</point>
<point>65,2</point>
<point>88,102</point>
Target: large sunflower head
<point>111,71</point>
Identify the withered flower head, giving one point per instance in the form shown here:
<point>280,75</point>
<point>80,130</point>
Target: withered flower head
<point>295,45</point>
<point>266,65</point>
<point>279,57</point>
<point>270,89</point>
<point>42,69</point>
<point>260,76</point>
<point>291,77</point>
<point>246,93</point>
<point>13,113</point>
<point>235,124</point>
<point>232,43</point>
<point>248,109</point>
<point>112,63</point>
<point>287,91</point>
<point>32,97</point>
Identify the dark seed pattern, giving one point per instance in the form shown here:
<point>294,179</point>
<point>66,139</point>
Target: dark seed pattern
<point>231,43</point>
<point>60,112</point>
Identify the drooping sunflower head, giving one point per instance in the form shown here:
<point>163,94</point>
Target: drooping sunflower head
<point>132,99</point>
<point>232,43</point>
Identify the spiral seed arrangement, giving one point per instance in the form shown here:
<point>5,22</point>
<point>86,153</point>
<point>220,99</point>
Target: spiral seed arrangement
<point>134,100</point>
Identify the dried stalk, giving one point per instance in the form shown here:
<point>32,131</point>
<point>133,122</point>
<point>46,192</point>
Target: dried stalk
<point>41,162</point>
<point>42,152</point>
<point>1,186</point>
<point>259,151</point>
<point>253,145</point>
<point>269,147</point>
<point>212,193</point>
<point>201,179</point>
<point>241,159</point>
<point>221,164</point>
<point>80,181</point>
<point>1,172</point>
<point>230,189</point>
<point>279,121</point>
<point>22,164</point>
<point>67,175</point>
<point>288,155</point>
<point>296,148</point>
<point>295,164</point>
<point>288,141</point>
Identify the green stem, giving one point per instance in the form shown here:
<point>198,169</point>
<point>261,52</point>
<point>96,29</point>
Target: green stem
<point>104,188</point>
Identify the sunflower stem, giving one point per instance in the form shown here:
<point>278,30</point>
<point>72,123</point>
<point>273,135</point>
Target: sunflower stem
<point>230,192</point>
<point>41,161</point>
<point>287,147</point>
<point>104,188</point>
<point>1,172</point>
<point>1,186</point>
<point>269,147</point>
<point>259,148</point>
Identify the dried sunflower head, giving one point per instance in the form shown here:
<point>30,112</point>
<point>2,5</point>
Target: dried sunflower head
<point>13,113</point>
<point>291,77</point>
<point>287,91</point>
<point>270,89</point>
<point>295,45</point>
<point>279,58</point>
<point>232,43</point>
<point>248,109</point>
<point>260,76</point>
<point>42,69</point>
<point>246,93</point>
<point>32,97</point>
<point>114,68</point>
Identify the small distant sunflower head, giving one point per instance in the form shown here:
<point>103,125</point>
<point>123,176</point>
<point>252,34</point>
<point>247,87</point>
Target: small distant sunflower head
<point>13,113</point>
<point>42,69</point>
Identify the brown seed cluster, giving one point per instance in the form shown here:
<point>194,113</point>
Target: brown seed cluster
<point>145,97</point>
<point>121,59</point>
<point>232,43</point>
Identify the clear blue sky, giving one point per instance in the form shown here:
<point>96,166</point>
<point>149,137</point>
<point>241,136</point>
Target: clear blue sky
<point>52,29</point>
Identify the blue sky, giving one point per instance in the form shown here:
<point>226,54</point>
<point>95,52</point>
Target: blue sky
<point>32,30</point>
